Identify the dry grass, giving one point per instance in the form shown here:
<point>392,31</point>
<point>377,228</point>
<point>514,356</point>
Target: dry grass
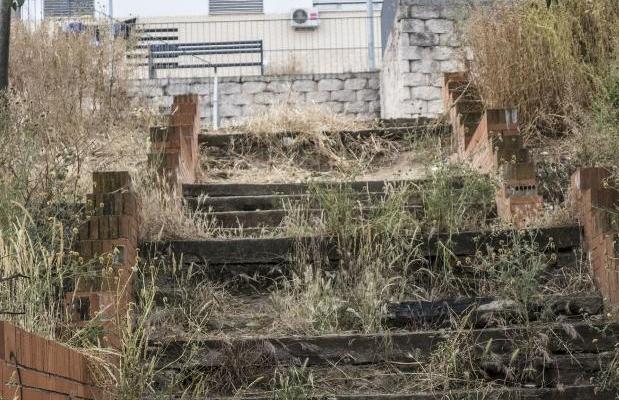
<point>67,117</point>
<point>546,62</point>
<point>309,134</point>
<point>163,215</point>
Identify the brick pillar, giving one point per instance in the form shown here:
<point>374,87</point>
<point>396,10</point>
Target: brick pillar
<point>174,151</point>
<point>595,204</point>
<point>109,239</point>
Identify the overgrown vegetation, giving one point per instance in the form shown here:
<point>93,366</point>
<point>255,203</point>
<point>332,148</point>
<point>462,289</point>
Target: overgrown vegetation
<point>558,65</point>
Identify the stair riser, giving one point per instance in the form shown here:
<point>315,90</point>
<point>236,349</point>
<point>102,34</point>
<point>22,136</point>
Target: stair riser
<point>409,348</point>
<point>276,250</point>
<point>228,190</point>
<point>273,202</point>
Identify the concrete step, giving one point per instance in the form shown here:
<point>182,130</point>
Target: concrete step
<point>483,312</point>
<point>572,353</point>
<point>275,250</point>
<point>225,139</point>
<point>266,260</point>
<point>363,349</point>
<point>273,201</point>
<point>298,188</point>
<point>572,392</point>
<point>275,218</point>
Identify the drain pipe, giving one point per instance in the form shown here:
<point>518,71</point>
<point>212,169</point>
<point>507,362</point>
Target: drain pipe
<point>215,101</point>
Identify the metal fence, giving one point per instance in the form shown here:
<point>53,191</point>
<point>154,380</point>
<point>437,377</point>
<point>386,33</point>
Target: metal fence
<point>189,49</point>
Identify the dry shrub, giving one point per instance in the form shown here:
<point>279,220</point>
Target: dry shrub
<point>546,62</point>
<point>67,117</point>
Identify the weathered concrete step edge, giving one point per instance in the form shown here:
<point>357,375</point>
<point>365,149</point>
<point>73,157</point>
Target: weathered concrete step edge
<point>274,250</point>
<point>389,133</point>
<point>587,392</point>
<point>273,218</point>
<point>272,201</point>
<point>262,189</point>
<point>556,372</point>
<point>408,347</point>
<point>482,311</point>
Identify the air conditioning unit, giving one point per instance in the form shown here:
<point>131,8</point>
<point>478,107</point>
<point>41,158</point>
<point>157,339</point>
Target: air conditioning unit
<point>305,18</point>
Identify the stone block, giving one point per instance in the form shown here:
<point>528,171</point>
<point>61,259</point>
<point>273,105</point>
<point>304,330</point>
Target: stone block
<point>423,12</point>
<point>267,98</point>
<point>253,87</point>
<point>411,53</point>
<point>229,88</point>
<point>239,99</point>
<point>404,93</point>
<point>294,97</point>
<point>435,107</point>
<point>176,89</point>
<point>426,66</point>
<point>443,53</point>
<point>318,97</point>
<point>150,91</point>
<point>451,66</point>
<point>440,25</point>
<point>355,83</point>
<point>229,110</point>
<point>414,79</point>
<point>426,93</point>
<point>330,85</point>
<point>255,109</point>
<point>415,108</point>
<point>279,86</point>
<point>449,39</point>
<point>374,83</point>
<point>343,95</point>
<point>424,39</point>
<point>201,89</point>
<point>334,106</point>
<point>413,26</point>
<point>305,85</point>
<point>374,106</point>
<point>405,66</point>
<point>356,107</point>
<point>367,95</point>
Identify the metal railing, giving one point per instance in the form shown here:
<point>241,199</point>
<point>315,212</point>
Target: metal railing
<point>338,44</point>
<point>387,19</point>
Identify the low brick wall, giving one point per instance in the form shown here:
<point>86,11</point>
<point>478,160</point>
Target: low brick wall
<point>34,368</point>
<point>595,204</point>
<point>355,94</point>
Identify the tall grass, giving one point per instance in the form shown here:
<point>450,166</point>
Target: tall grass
<point>547,62</point>
<point>379,257</point>
<point>43,268</point>
<point>66,117</point>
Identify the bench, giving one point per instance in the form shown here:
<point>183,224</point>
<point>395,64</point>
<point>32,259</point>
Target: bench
<point>170,52</point>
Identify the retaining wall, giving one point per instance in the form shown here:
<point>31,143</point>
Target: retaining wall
<point>354,94</point>
<point>425,43</point>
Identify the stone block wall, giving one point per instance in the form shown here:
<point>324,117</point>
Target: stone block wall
<point>425,43</point>
<point>354,94</point>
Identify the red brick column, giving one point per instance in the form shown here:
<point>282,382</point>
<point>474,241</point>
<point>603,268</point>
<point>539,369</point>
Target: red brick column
<point>109,238</point>
<point>494,146</point>
<point>174,151</point>
<point>595,203</point>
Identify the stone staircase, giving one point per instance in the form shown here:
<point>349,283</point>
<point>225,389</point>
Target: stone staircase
<point>218,328</point>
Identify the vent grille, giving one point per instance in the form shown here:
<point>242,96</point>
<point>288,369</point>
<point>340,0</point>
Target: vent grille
<point>235,6</point>
<point>68,8</point>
